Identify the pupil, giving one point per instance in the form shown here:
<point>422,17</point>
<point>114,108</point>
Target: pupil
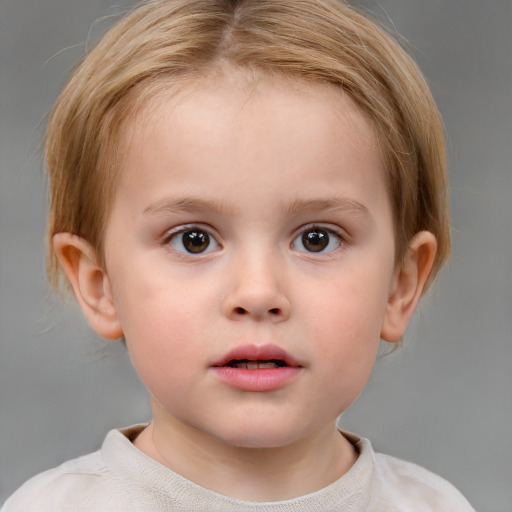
<point>316,240</point>
<point>196,241</point>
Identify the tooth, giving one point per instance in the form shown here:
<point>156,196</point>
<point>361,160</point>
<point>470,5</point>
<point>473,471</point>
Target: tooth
<point>254,365</point>
<point>267,365</point>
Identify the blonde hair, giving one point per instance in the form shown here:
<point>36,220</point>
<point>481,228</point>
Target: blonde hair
<point>166,42</point>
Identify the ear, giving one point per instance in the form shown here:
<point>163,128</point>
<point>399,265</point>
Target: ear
<point>90,283</point>
<point>408,285</point>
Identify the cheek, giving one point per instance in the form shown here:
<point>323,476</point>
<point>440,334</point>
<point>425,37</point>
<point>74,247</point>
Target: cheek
<point>348,352</point>
<point>345,329</point>
<point>167,355</point>
<point>350,309</point>
<point>164,329</point>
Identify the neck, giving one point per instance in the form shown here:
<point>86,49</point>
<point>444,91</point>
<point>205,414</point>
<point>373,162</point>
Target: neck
<point>253,474</point>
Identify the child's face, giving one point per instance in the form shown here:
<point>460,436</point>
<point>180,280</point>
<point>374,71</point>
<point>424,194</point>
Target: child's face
<point>252,224</point>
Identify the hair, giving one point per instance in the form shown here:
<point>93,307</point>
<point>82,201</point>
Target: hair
<point>162,43</point>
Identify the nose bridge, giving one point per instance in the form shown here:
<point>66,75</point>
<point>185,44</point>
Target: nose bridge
<point>258,285</point>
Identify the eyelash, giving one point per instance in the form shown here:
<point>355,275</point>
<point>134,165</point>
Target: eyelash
<point>323,239</point>
<point>323,230</point>
<point>174,235</point>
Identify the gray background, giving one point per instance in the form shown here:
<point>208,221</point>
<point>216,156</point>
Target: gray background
<point>444,400</point>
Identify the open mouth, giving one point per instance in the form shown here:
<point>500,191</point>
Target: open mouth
<point>257,368</point>
<point>255,357</point>
<point>256,364</point>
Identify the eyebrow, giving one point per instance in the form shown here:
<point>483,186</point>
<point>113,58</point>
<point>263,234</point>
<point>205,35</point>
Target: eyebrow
<point>341,204</point>
<point>187,205</point>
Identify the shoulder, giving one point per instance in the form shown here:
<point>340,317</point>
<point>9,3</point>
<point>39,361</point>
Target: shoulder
<point>82,484</point>
<point>416,488</point>
<point>59,488</point>
<point>389,484</point>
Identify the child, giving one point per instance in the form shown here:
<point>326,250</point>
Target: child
<point>252,194</point>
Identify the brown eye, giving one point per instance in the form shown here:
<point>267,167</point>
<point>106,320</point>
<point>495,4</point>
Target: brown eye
<point>317,240</point>
<point>193,241</point>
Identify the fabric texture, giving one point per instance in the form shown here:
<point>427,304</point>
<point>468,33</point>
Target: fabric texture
<point>119,477</point>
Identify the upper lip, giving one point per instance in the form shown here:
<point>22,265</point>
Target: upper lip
<point>257,353</point>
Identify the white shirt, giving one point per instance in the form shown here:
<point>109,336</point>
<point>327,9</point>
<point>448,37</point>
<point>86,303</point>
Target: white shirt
<point>119,477</point>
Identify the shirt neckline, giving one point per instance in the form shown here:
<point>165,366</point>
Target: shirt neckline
<point>148,477</point>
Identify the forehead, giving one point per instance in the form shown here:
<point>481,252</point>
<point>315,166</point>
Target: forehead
<point>244,88</point>
<point>229,127</point>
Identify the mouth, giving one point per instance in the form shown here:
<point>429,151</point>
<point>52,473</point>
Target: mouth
<point>257,368</point>
<point>253,357</point>
<point>256,365</point>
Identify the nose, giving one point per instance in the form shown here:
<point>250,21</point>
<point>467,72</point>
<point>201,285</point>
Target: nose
<point>257,291</point>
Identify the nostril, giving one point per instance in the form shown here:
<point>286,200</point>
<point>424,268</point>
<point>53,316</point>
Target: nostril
<point>274,311</point>
<point>240,311</point>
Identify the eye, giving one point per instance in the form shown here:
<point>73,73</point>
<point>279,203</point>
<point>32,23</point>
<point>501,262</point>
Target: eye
<point>193,241</point>
<point>317,240</point>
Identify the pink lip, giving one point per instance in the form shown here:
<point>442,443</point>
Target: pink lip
<point>257,379</point>
<point>257,353</point>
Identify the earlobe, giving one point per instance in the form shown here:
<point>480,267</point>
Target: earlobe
<point>408,285</point>
<point>90,283</point>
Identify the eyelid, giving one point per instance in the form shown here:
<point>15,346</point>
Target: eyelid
<point>337,231</point>
<point>183,228</point>
<point>325,226</point>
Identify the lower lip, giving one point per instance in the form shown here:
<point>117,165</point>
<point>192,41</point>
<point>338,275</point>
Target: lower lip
<point>258,379</point>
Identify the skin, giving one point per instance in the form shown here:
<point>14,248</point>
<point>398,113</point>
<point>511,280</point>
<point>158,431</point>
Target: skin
<point>255,164</point>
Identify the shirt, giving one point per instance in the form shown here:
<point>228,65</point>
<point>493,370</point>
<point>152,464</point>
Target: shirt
<point>119,477</point>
